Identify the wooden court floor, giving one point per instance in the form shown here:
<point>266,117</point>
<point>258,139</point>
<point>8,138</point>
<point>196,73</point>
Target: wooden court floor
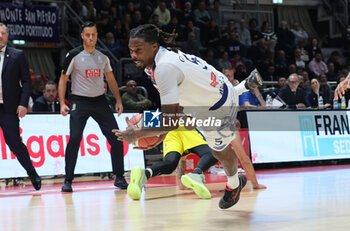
<point>316,198</point>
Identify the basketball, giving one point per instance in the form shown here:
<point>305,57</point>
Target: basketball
<point>143,142</point>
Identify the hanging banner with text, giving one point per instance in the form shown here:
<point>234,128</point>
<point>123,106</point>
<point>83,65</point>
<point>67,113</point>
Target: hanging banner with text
<point>32,24</point>
<point>282,136</point>
<point>46,137</point>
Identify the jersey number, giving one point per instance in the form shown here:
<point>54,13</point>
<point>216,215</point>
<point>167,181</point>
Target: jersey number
<point>213,80</point>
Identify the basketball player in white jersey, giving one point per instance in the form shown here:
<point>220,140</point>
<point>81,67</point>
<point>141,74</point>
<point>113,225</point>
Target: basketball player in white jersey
<point>189,83</point>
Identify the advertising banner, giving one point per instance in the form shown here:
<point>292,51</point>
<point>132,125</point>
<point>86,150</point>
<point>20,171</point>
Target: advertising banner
<point>32,24</point>
<point>46,137</point>
<point>280,136</point>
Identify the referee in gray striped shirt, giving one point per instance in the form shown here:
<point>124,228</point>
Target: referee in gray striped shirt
<point>87,66</point>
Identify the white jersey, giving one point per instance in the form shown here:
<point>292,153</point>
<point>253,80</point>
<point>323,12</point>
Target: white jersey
<point>202,90</point>
<point>188,80</point>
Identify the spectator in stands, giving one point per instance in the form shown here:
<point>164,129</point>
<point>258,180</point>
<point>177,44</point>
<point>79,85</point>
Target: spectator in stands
<point>331,74</point>
<point>240,73</point>
<point>79,8</point>
<point>48,101</point>
<point>231,27</point>
<point>130,7</point>
<point>138,19</point>
<point>314,95</point>
<point>270,74</point>
<point>146,6</point>
<point>174,25</point>
<point>281,63</point>
<point>210,57</point>
<point>299,33</point>
<point>304,53</point>
<point>346,40</point>
<point>105,17</point>
<point>134,101</point>
<point>269,36</point>
<point>202,19</point>
<point>291,94</point>
<point>215,11</point>
<point>260,51</point>
<point>344,71</point>
<point>232,45</point>
<point>292,69</point>
<point>91,13</point>
<point>190,46</point>
<point>285,39</point>
<point>114,45</point>
<point>255,34</point>
<point>224,61</point>
<point>244,34</point>
<point>109,96</point>
<point>251,99</point>
<point>120,31</point>
<point>155,20</point>
<point>305,79</point>
<point>190,27</point>
<point>298,61</point>
<point>230,74</point>
<point>325,88</point>
<point>237,61</point>
<point>213,34</point>
<point>281,83</point>
<point>127,22</point>
<point>314,48</point>
<point>37,87</point>
<point>335,59</point>
<point>163,13</point>
<point>187,13</point>
<point>317,65</point>
<point>304,83</point>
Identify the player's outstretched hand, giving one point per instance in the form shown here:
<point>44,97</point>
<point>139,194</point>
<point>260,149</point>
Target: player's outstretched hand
<point>341,88</point>
<point>129,135</point>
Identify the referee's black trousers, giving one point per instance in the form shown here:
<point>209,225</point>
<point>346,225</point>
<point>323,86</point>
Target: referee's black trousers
<point>96,107</point>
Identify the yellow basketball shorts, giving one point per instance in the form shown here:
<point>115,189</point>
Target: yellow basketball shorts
<point>181,139</point>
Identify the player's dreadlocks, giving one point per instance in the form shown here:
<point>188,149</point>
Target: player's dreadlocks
<point>152,34</point>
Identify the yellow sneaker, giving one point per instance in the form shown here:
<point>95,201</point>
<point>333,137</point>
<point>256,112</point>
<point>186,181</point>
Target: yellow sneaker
<point>197,183</point>
<point>137,180</point>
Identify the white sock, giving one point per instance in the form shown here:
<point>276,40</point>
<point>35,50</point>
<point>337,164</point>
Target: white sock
<point>240,88</point>
<point>233,181</point>
<point>150,172</point>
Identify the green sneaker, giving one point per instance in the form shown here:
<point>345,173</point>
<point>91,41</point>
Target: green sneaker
<point>137,180</point>
<point>196,182</point>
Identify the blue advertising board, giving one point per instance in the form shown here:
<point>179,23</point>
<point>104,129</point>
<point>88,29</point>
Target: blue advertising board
<point>32,24</point>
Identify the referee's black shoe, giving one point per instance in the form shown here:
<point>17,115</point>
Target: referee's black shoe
<point>67,186</point>
<point>120,182</point>
<point>253,80</point>
<point>35,179</point>
<point>231,197</point>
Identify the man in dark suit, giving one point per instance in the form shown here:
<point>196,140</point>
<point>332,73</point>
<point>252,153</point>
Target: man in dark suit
<point>48,101</point>
<point>14,70</point>
<point>291,94</point>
